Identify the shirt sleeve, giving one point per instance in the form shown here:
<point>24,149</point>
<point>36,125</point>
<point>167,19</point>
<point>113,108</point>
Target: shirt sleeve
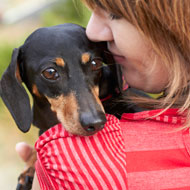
<point>97,162</point>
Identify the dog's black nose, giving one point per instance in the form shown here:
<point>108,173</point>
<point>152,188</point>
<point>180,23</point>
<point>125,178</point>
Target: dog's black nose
<point>92,123</point>
<point>94,128</point>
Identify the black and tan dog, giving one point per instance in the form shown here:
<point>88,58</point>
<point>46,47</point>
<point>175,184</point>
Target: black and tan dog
<point>63,71</point>
<point>65,74</point>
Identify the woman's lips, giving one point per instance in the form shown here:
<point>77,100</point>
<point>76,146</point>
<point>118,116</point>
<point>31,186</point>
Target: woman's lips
<point>119,59</point>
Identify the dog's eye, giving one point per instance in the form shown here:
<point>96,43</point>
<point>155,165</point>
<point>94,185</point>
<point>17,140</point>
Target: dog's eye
<point>50,74</point>
<point>96,64</point>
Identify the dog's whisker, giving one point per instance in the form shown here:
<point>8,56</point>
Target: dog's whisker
<point>110,64</point>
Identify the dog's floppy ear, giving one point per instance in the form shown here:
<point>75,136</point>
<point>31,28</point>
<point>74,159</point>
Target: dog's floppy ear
<point>14,95</point>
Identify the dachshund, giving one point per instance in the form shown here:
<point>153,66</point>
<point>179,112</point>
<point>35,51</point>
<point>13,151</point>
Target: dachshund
<point>67,76</point>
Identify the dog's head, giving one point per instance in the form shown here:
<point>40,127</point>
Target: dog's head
<point>63,71</point>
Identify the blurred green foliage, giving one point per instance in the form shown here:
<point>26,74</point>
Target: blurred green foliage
<point>69,11</point>
<point>5,52</point>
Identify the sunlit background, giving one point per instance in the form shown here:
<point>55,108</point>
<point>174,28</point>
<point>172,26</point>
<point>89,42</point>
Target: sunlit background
<point>19,18</point>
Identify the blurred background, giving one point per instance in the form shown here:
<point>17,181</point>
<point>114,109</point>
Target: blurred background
<point>19,18</point>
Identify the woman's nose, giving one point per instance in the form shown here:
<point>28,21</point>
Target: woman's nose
<point>98,29</point>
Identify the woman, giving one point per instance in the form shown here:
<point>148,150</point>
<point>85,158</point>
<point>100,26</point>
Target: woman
<point>150,40</point>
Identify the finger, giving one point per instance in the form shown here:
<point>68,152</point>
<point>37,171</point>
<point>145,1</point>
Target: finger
<point>24,150</point>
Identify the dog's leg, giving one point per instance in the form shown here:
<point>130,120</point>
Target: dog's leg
<point>26,178</point>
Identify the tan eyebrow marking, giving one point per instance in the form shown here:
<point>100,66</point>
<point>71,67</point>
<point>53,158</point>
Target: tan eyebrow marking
<point>85,58</point>
<point>59,61</point>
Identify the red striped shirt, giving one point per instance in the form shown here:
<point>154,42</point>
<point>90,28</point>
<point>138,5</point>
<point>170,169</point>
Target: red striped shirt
<point>134,153</point>
<point>157,154</point>
<point>73,162</point>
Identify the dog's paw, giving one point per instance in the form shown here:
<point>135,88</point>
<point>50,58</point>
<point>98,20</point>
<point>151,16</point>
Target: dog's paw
<point>25,180</point>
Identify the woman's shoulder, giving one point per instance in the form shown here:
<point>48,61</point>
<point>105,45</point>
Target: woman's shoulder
<point>170,116</point>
